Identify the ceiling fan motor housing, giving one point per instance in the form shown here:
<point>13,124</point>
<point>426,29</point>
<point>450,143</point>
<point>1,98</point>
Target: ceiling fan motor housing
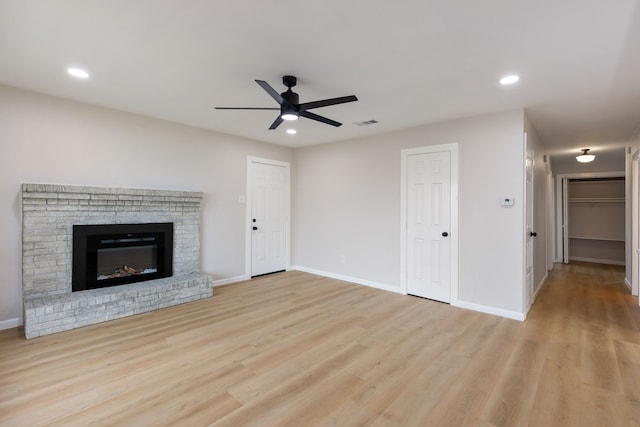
<point>290,97</point>
<point>290,106</point>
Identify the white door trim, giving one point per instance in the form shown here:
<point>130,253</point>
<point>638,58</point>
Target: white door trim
<point>248,234</point>
<point>565,220</point>
<point>551,224</point>
<point>452,148</point>
<point>635,224</point>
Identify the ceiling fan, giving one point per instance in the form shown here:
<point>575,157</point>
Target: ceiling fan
<point>290,108</point>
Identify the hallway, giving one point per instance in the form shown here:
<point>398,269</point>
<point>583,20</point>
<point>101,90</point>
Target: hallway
<point>585,348</point>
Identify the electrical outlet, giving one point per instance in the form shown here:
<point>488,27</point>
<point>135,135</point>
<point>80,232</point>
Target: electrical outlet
<point>342,259</point>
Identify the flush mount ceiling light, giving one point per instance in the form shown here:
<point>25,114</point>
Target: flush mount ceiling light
<point>509,80</point>
<point>77,72</point>
<point>585,157</point>
<point>291,131</point>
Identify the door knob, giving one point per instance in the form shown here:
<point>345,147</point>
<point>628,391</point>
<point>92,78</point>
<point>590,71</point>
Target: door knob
<point>255,228</point>
<point>533,234</point>
<point>445,234</point>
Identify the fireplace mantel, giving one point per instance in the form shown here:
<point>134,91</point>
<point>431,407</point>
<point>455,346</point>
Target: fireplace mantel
<point>49,213</point>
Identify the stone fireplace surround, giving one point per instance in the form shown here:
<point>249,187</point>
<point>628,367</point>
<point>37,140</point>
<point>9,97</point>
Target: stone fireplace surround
<point>48,215</point>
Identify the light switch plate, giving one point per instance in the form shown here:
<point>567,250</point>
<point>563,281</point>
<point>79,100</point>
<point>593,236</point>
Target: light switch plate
<point>508,201</point>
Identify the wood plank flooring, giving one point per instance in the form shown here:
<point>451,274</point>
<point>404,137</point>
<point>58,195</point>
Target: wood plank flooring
<point>293,349</point>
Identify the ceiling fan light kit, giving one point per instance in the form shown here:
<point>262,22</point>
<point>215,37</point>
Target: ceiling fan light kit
<point>290,107</point>
<point>585,157</point>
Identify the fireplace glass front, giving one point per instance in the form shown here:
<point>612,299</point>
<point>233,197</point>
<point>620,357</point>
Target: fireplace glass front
<point>116,254</point>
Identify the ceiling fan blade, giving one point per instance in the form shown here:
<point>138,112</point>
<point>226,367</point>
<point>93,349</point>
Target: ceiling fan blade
<point>246,108</point>
<point>276,123</point>
<point>327,102</point>
<point>271,91</point>
<point>318,118</point>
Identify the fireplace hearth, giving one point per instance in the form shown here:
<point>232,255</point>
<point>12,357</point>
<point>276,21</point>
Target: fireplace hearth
<point>116,254</point>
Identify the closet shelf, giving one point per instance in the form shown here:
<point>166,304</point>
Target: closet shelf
<point>604,239</point>
<point>597,200</point>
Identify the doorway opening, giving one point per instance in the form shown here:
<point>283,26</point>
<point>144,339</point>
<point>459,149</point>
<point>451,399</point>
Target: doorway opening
<point>592,226</point>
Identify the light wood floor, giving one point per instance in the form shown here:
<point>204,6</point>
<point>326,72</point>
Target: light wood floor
<point>294,349</point>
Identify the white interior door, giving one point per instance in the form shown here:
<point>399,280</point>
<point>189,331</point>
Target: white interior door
<point>530,230</point>
<point>428,195</point>
<point>269,217</point>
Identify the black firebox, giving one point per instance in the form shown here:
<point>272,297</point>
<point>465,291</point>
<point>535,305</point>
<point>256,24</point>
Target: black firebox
<point>116,254</point>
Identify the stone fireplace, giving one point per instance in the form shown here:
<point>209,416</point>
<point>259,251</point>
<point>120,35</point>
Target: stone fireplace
<point>113,226</point>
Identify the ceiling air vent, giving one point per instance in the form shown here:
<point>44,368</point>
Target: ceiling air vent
<point>367,123</point>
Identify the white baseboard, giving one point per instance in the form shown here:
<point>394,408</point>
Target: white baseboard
<point>490,310</point>
<point>596,260</point>
<point>10,323</point>
<point>627,283</point>
<point>350,279</point>
<point>461,304</point>
<point>230,280</point>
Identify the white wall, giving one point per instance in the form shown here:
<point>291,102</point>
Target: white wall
<point>347,203</point>
<point>50,140</point>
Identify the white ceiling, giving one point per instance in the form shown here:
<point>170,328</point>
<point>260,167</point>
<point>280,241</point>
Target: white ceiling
<point>410,62</point>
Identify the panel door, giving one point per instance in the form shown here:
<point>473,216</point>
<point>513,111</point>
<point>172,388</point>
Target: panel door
<point>268,218</point>
<point>530,230</point>
<point>428,225</point>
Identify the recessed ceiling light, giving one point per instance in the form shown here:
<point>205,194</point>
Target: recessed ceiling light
<point>509,80</point>
<point>77,72</point>
<point>291,131</point>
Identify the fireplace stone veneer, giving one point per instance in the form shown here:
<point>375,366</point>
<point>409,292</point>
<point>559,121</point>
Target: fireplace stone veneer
<point>49,213</point>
